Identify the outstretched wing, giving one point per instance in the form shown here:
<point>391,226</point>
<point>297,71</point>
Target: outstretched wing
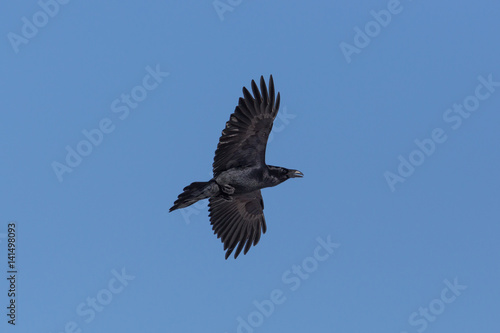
<point>238,222</point>
<point>243,141</point>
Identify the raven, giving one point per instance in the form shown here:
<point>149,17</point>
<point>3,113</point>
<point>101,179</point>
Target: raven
<point>240,172</point>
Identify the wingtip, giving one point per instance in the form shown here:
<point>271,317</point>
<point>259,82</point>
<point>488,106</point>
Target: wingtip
<point>246,94</point>
<point>256,93</point>
<point>228,253</point>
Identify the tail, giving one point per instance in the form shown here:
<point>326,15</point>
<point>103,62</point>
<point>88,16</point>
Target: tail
<point>195,192</point>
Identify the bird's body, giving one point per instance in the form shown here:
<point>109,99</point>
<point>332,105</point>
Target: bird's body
<point>241,180</point>
<point>240,172</point>
<point>244,180</point>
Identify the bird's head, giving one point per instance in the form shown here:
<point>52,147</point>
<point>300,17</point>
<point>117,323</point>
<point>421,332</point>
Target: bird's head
<point>294,173</point>
<point>282,174</point>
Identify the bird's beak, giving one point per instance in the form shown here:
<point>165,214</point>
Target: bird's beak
<point>296,174</point>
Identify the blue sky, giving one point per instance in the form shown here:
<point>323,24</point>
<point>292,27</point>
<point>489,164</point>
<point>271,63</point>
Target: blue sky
<point>390,109</point>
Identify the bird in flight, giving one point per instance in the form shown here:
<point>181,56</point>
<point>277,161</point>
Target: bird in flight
<point>236,208</point>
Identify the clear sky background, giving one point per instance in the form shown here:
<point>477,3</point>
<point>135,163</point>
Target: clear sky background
<point>415,249</point>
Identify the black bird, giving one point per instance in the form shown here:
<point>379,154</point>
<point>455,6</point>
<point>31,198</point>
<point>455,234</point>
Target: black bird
<point>240,171</point>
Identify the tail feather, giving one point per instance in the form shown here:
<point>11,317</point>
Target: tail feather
<point>194,192</point>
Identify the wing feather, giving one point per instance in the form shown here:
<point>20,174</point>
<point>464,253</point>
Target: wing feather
<point>244,139</point>
<point>239,222</point>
